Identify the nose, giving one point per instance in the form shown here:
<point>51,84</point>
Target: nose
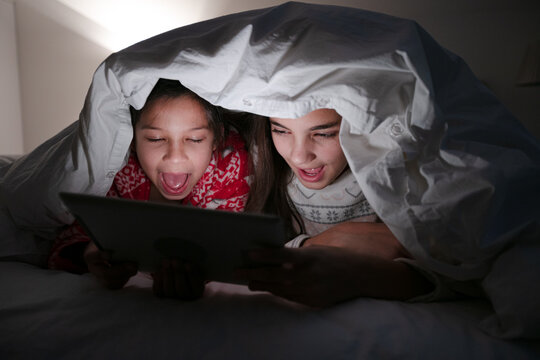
<point>175,152</point>
<point>302,152</point>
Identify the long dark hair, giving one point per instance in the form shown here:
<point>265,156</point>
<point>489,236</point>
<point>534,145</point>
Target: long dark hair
<point>271,175</point>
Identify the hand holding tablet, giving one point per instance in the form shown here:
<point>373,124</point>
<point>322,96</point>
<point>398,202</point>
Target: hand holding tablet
<point>146,233</point>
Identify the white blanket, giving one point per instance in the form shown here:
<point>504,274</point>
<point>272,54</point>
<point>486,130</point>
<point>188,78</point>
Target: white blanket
<point>441,161</point>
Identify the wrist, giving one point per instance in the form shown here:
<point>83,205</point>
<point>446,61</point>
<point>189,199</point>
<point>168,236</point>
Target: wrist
<point>298,241</point>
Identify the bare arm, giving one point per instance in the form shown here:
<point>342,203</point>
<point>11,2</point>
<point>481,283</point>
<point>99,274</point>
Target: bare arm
<point>356,260</point>
<point>322,276</point>
<point>373,239</point>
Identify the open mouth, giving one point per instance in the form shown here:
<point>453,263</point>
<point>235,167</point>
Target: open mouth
<point>174,183</point>
<point>311,175</point>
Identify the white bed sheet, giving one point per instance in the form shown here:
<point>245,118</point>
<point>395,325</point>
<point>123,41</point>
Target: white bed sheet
<point>46,314</point>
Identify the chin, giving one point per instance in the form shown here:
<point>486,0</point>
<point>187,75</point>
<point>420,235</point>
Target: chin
<point>170,197</point>
<point>314,185</point>
<point>175,197</point>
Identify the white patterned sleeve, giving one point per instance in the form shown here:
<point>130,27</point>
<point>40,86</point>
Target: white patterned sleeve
<point>297,241</point>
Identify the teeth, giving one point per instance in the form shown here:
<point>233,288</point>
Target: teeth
<point>312,172</point>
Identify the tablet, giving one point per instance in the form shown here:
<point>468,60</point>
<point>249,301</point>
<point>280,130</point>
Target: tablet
<point>147,232</point>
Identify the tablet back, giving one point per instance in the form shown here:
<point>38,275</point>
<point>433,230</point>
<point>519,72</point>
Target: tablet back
<point>147,232</point>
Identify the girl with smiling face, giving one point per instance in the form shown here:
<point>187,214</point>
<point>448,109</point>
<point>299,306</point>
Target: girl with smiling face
<point>339,249</point>
<point>173,154</point>
<point>310,146</point>
<point>182,152</point>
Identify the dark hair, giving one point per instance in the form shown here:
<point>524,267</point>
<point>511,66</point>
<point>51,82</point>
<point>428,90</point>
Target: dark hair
<point>172,89</point>
<point>245,123</point>
<point>271,175</point>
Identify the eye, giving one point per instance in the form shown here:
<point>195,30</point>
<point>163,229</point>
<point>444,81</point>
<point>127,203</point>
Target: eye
<point>327,135</point>
<point>195,140</point>
<point>278,131</point>
<point>154,140</point>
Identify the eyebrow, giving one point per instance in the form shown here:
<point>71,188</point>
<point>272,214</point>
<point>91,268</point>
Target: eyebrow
<point>314,128</point>
<point>150,127</point>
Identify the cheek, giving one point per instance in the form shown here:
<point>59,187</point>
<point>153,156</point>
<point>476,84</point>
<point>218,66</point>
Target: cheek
<point>342,163</point>
<point>281,145</point>
<point>146,155</point>
<point>336,156</point>
<point>201,157</point>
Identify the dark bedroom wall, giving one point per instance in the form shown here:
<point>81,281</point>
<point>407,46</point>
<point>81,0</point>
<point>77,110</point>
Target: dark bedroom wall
<point>493,41</point>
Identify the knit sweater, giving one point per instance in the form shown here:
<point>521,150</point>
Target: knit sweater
<point>338,202</point>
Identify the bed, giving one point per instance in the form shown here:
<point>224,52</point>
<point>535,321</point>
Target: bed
<point>435,153</point>
<point>55,315</point>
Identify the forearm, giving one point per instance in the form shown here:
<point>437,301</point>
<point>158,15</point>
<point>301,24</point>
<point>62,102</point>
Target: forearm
<point>325,275</point>
<point>372,248</point>
<point>392,280</point>
<point>371,239</point>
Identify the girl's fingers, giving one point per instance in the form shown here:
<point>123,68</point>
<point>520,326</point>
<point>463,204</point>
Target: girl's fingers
<point>284,290</point>
<point>114,276</point>
<point>172,281</point>
<point>268,274</point>
<point>183,286</point>
<point>176,279</point>
<point>269,256</point>
<point>117,275</point>
<point>162,280</point>
<point>274,288</point>
<point>194,280</point>
<point>157,285</point>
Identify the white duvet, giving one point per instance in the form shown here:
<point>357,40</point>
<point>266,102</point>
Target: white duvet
<point>443,163</point>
